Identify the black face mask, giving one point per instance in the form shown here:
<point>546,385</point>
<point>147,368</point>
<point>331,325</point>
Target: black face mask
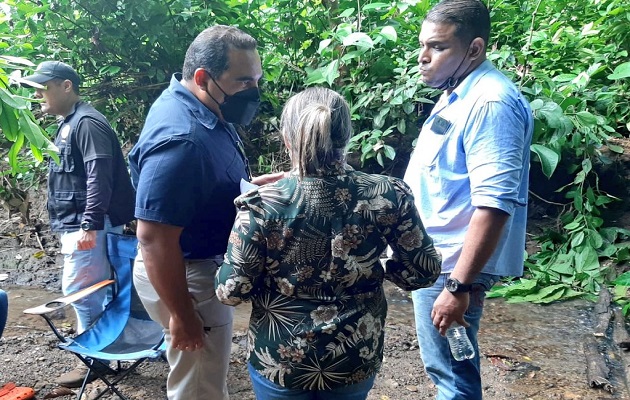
<point>241,107</point>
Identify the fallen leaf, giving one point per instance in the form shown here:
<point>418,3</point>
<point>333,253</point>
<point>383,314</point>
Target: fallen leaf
<point>39,254</point>
<point>58,392</point>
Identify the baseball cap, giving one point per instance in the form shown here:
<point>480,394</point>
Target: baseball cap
<point>54,69</point>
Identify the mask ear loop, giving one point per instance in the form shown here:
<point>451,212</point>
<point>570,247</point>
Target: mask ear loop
<point>452,82</point>
<point>221,89</point>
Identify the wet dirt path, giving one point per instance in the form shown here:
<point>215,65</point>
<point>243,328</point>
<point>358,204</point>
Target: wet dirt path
<point>529,351</point>
<point>533,351</point>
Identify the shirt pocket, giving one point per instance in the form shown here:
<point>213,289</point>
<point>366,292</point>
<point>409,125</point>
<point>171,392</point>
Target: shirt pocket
<point>69,205</point>
<point>235,169</point>
<point>66,164</point>
<point>430,145</point>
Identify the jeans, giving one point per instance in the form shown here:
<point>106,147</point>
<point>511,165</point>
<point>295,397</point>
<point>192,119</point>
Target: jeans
<point>4,310</point>
<point>200,374</point>
<point>83,268</point>
<point>268,390</point>
<point>455,380</point>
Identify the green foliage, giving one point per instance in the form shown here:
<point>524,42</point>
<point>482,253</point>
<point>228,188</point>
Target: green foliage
<point>577,78</point>
<point>18,169</point>
<point>569,58</point>
<point>17,122</point>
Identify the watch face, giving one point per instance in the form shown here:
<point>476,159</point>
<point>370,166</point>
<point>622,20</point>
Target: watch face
<point>451,285</point>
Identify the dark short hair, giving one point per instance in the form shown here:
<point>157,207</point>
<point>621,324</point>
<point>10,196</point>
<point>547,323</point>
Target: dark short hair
<point>210,50</point>
<point>470,17</point>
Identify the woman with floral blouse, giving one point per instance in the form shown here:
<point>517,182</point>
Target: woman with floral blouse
<point>305,251</point>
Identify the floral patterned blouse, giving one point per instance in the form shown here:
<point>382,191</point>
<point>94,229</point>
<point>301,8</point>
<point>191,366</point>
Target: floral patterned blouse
<point>306,253</point>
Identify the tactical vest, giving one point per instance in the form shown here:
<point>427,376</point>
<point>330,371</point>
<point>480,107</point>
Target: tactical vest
<point>67,190</point>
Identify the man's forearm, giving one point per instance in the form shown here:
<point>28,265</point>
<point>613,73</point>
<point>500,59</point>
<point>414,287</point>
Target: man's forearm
<point>482,238</point>
<point>99,190</point>
<point>165,267</point>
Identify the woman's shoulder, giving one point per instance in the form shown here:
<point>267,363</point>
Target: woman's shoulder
<point>278,193</point>
<point>377,178</point>
<point>252,196</point>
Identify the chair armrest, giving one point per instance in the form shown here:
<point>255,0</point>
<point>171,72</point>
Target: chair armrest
<point>62,302</point>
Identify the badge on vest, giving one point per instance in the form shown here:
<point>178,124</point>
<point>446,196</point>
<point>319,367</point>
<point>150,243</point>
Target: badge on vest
<point>65,131</point>
<point>440,125</point>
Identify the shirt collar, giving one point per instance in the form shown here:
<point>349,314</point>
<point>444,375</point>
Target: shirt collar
<point>332,169</point>
<point>62,120</point>
<point>335,168</point>
<point>206,117</point>
<point>471,80</point>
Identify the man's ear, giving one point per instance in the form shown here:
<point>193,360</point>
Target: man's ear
<point>67,85</point>
<point>477,48</point>
<point>201,77</point>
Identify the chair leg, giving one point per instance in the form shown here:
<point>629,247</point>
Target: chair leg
<point>111,385</point>
<point>85,382</point>
<point>90,364</point>
<point>110,388</point>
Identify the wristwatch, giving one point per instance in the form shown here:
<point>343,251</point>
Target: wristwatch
<point>455,286</point>
<point>87,226</point>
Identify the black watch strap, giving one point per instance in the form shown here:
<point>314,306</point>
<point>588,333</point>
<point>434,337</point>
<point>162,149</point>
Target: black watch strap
<point>455,286</point>
<point>88,226</point>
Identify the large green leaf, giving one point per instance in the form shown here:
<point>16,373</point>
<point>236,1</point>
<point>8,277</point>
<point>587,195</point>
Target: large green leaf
<point>34,134</point>
<point>7,98</point>
<point>389,32</point>
<point>549,159</point>
<point>623,279</point>
<point>373,6</point>
<point>358,39</point>
<point>331,72</point>
<point>622,71</point>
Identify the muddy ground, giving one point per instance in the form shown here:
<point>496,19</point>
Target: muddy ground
<point>528,351</point>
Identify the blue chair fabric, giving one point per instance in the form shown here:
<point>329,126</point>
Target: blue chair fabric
<point>124,331</point>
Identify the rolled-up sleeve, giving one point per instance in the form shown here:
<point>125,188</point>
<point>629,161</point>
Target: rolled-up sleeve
<point>494,147</point>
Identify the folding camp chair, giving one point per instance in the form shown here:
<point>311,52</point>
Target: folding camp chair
<point>123,332</point>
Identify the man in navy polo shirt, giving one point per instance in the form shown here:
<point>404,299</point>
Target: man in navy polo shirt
<point>187,167</point>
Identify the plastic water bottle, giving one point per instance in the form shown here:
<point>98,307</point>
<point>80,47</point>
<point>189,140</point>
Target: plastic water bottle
<point>459,342</point>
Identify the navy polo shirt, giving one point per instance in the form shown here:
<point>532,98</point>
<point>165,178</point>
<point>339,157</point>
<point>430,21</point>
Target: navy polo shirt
<point>187,168</point>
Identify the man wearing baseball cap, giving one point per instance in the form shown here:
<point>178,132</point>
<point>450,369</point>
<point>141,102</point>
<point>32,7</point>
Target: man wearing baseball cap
<point>89,191</point>
<point>54,70</point>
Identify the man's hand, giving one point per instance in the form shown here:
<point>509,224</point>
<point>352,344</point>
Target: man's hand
<point>87,241</point>
<point>268,178</point>
<point>448,308</point>
<point>186,334</point>
<point>164,263</point>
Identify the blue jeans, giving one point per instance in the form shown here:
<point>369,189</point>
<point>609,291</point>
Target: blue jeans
<point>83,268</point>
<point>4,310</point>
<point>268,390</point>
<point>455,380</point>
